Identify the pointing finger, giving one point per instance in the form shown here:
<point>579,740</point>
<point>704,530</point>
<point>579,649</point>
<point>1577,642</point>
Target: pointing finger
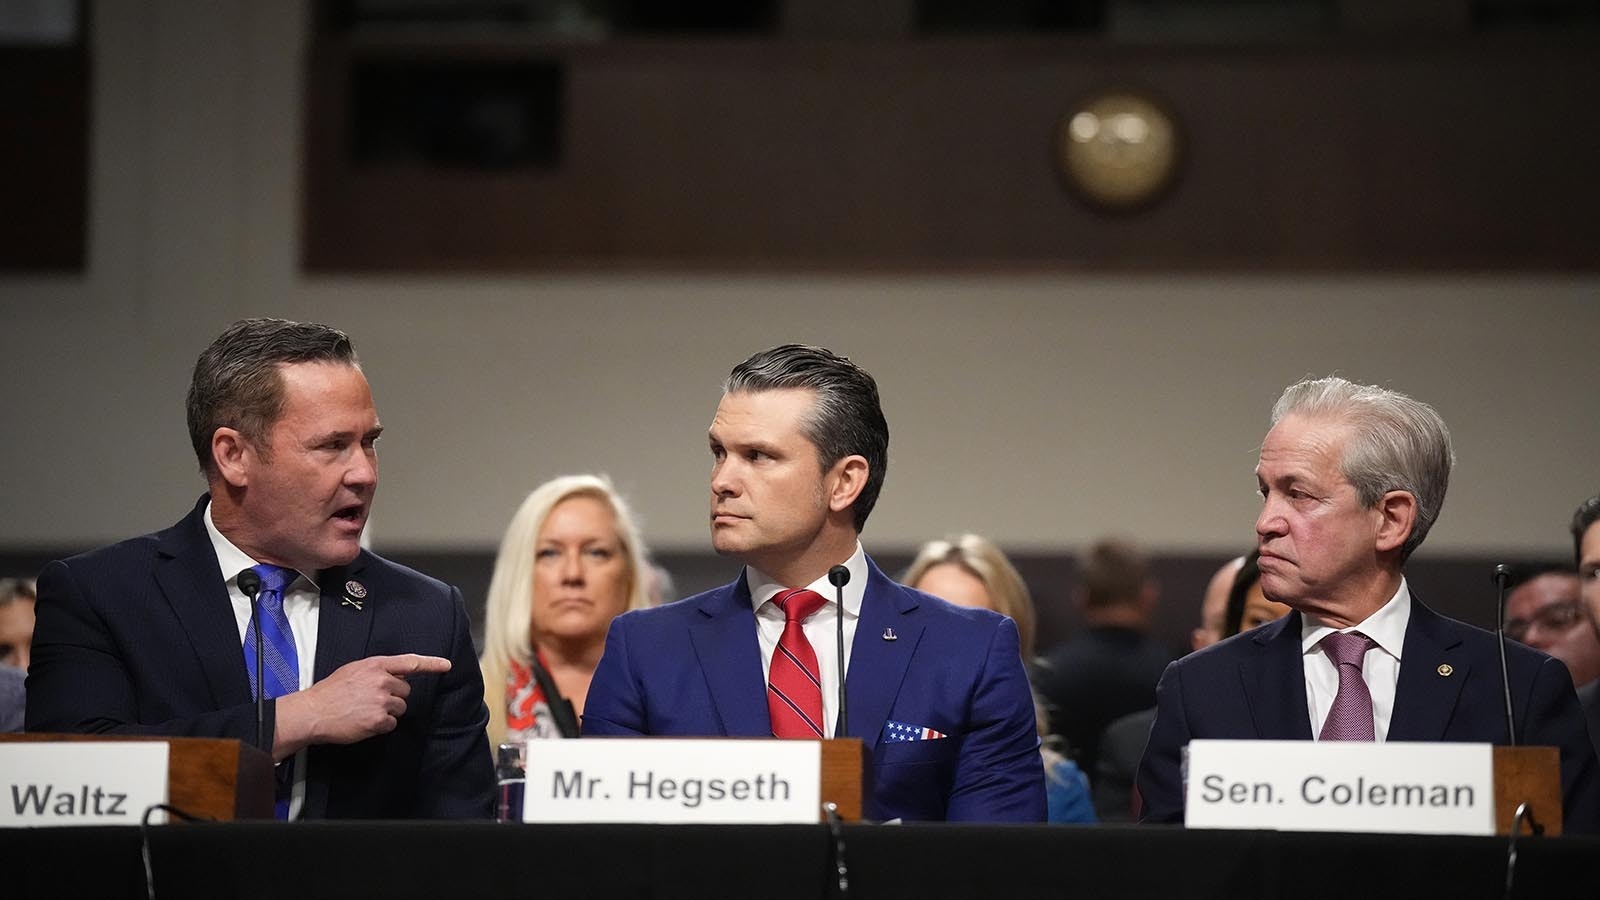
<point>413,664</point>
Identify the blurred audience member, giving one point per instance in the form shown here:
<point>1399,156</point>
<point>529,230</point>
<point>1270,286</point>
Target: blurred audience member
<point>13,698</point>
<point>570,562</point>
<point>1214,606</point>
<point>659,586</point>
<point>1123,742</point>
<point>1545,610</point>
<point>1111,667</point>
<point>17,596</point>
<point>1248,606</point>
<point>16,637</point>
<point>969,570</point>
<point>1586,544</point>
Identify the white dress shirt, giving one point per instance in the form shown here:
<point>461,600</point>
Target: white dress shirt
<point>820,629</point>
<point>1380,668</point>
<point>301,600</point>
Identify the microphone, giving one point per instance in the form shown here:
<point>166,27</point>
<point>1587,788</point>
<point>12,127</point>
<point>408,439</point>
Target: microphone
<point>250,583</point>
<point>1502,574</point>
<point>839,576</point>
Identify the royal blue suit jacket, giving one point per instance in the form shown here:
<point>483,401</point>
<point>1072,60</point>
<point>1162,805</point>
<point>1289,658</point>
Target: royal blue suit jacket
<point>693,668</point>
<point>1252,686</point>
<point>140,638</point>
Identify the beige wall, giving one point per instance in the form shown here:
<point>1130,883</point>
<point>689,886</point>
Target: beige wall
<point>1040,409</point>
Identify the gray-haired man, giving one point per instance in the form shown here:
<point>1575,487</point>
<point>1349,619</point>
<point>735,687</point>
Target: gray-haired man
<point>1351,479</point>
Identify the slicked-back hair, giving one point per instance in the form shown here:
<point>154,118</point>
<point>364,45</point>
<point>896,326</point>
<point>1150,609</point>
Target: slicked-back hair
<point>846,419</point>
<point>237,383</point>
<point>1587,513</point>
<point>1396,443</point>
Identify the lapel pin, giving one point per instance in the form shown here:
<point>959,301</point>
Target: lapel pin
<point>350,601</point>
<point>354,592</point>
<point>1445,669</point>
<point>889,635</point>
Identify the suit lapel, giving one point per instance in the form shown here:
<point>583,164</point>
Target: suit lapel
<point>191,580</point>
<point>343,629</point>
<point>1424,697</point>
<point>344,620</point>
<point>877,666</point>
<point>730,656</point>
<point>1274,681</point>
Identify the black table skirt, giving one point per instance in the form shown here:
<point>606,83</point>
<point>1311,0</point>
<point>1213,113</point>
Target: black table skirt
<point>397,860</point>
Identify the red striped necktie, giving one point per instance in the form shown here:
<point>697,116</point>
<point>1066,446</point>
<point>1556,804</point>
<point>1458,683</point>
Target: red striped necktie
<point>794,687</point>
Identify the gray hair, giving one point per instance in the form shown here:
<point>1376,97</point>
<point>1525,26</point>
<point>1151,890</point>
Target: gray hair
<point>845,420</point>
<point>1396,443</point>
<point>237,384</point>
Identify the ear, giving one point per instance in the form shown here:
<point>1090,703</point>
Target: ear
<point>849,479</point>
<point>232,454</point>
<point>1397,517</point>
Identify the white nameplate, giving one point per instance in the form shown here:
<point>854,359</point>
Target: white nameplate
<point>81,783</point>
<point>1402,787</point>
<point>673,780</point>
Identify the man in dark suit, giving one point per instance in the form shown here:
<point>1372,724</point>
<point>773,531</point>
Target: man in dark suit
<point>936,693</point>
<point>1110,667</point>
<point>1351,479</point>
<point>1586,546</point>
<point>377,706</point>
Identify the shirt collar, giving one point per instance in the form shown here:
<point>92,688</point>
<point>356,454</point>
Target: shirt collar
<point>1386,627</point>
<point>764,588</point>
<point>231,560</point>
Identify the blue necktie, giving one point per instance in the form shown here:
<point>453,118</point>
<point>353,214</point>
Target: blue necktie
<point>280,664</point>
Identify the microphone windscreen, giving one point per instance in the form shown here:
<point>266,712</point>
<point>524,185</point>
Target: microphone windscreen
<point>250,583</point>
<point>838,576</point>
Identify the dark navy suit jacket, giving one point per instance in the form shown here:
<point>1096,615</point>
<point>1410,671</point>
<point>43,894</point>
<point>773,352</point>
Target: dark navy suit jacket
<point>693,668</point>
<point>140,638</point>
<point>1252,686</point>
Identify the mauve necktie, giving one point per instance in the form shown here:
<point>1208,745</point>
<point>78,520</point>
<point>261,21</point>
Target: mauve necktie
<point>1350,718</point>
<point>280,663</point>
<point>794,687</point>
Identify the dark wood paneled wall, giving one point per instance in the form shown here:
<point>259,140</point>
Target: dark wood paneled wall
<point>1455,152</point>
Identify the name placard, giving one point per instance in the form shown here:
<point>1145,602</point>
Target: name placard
<point>81,783</point>
<point>673,780</point>
<point>1402,787</point>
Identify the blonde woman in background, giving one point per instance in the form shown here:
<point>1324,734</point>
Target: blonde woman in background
<point>969,570</point>
<point>570,562</point>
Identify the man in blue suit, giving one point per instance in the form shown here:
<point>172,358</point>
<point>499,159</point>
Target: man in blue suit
<point>1351,479</point>
<point>377,701</point>
<point>936,693</point>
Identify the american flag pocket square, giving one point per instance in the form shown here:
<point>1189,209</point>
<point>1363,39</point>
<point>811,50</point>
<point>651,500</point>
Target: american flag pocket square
<point>895,732</point>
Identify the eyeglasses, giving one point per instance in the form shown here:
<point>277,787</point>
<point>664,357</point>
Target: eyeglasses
<point>1555,617</point>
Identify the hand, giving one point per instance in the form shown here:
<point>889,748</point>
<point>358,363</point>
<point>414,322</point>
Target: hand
<point>360,699</point>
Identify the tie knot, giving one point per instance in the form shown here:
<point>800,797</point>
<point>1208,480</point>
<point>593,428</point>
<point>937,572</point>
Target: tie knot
<point>798,604</point>
<point>1346,648</point>
<point>275,578</point>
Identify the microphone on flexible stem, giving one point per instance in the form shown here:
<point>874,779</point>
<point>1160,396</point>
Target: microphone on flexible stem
<point>250,583</point>
<point>1502,574</point>
<point>839,576</point>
